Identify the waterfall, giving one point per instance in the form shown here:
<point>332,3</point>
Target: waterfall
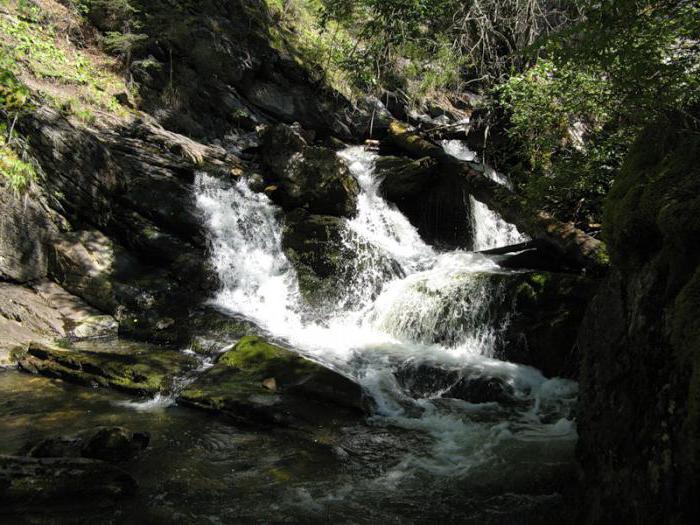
<point>433,314</point>
<point>489,229</point>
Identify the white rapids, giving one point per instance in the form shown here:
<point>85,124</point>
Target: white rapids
<point>435,313</point>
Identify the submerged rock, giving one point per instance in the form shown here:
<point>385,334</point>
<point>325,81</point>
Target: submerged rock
<point>113,444</point>
<point>139,372</point>
<point>259,381</point>
<point>304,176</point>
<point>28,482</point>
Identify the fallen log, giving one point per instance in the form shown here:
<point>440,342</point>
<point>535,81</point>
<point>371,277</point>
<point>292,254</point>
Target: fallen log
<point>574,244</point>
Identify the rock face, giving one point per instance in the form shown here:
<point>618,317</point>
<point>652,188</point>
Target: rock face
<point>26,228</point>
<point>259,381</point>
<point>303,176</point>
<point>639,416</point>
<point>546,309</point>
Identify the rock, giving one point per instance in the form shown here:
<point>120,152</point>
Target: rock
<point>96,326</point>
<point>44,313</point>
<point>480,389</point>
<point>371,117</point>
<point>405,179</point>
<point>142,371</point>
<point>425,380</point>
<point>304,391</point>
<point>112,444</point>
<point>544,312</point>
<point>303,176</point>
<point>639,411</point>
<point>25,316</point>
<point>429,380</point>
<point>329,259</point>
<point>87,263</point>
<point>39,484</point>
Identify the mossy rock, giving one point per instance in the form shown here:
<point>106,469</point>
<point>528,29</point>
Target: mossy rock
<point>329,257</point>
<point>142,373</point>
<point>262,382</point>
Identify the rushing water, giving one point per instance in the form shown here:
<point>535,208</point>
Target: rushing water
<point>422,456</point>
<point>433,315</point>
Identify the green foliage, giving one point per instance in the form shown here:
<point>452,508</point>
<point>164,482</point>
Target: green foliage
<point>628,63</point>
<point>16,172</point>
<point>564,140</point>
<point>33,46</point>
<point>14,99</point>
<point>648,49</point>
<point>14,95</point>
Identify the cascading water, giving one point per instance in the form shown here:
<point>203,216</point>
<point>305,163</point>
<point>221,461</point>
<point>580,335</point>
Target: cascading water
<point>489,229</point>
<point>432,314</point>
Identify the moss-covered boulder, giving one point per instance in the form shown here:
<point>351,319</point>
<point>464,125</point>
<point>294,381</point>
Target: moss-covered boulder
<point>303,176</point>
<point>262,382</point>
<point>142,371</point>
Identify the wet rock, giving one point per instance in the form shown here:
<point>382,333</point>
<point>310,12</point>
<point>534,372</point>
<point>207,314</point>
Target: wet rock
<point>112,444</point>
<point>544,311</point>
<point>428,380</point>
<point>405,179</point>
<point>480,389</point>
<point>329,259</point>
<point>304,392</point>
<point>30,483</point>
<point>144,371</point>
<point>304,176</point>
<point>423,380</point>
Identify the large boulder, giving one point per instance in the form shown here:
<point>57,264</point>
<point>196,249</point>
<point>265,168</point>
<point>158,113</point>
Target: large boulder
<point>260,381</point>
<point>544,311</point>
<point>304,176</point>
<point>331,260</point>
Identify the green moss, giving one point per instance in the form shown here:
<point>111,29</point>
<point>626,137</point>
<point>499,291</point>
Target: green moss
<point>260,360</point>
